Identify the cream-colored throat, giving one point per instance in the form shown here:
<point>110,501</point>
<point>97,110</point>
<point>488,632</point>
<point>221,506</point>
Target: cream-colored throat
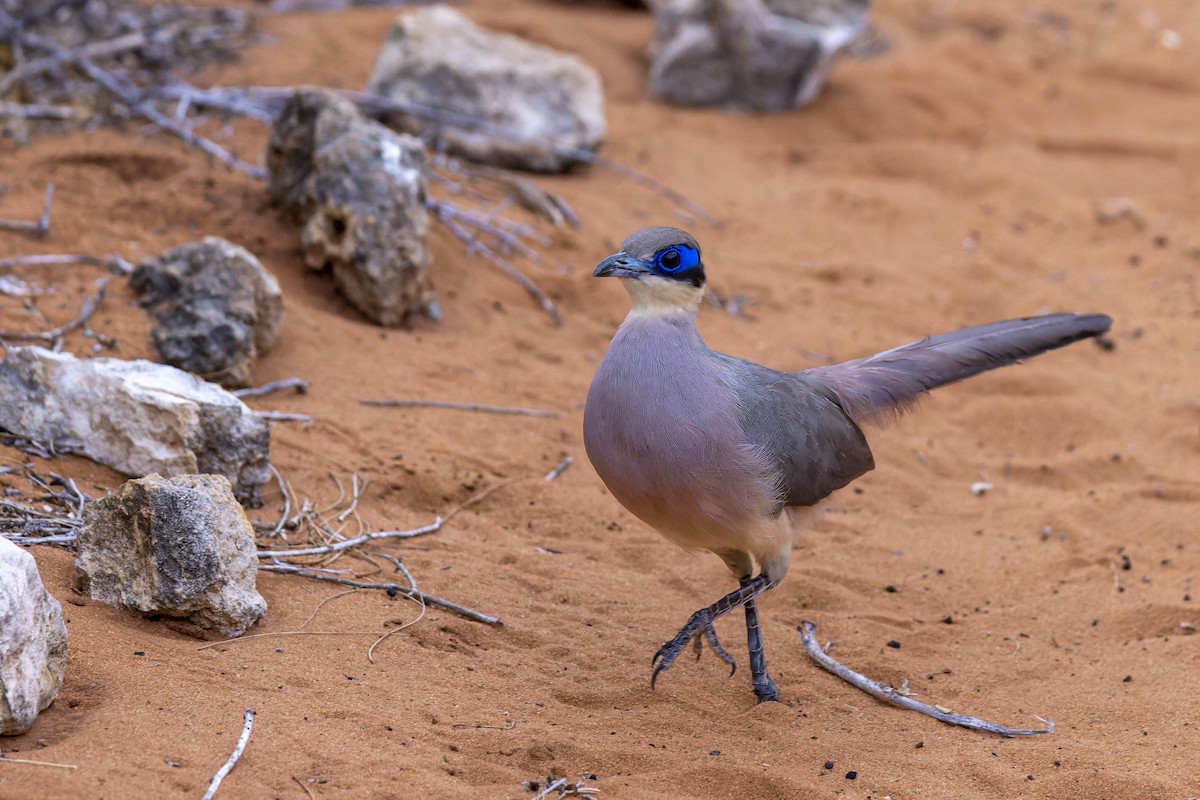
<point>656,296</point>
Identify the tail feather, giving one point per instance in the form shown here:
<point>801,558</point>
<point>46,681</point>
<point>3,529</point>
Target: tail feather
<point>889,382</point>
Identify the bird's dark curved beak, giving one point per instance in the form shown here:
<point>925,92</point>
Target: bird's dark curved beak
<point>620,266</point>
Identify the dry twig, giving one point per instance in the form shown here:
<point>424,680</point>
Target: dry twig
<point>487,409</point>
<point>39,228</point>
<point>890,695</point>
<point>298,384</point>
<point>234,756</point>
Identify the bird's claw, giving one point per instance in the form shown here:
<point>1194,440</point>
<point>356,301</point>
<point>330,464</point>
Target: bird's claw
<point>699,627</point>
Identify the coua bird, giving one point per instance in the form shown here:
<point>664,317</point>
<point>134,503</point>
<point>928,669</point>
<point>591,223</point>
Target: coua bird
<point>714,452</point>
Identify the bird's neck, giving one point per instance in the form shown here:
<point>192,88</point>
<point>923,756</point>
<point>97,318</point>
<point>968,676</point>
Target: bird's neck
<point>657,297</point>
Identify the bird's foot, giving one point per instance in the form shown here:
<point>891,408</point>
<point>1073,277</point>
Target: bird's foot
<point>699,627</point>
<point>765,690</point>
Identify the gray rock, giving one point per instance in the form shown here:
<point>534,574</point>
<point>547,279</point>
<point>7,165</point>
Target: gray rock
<point>137,417</point>
<point>359,188</point>
<point>761,55</point>
<point>33,641</point>
<point>178,547</point>
<point>500,100</point>
<point>216,309</point>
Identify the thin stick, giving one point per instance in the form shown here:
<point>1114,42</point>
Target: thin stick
<point>39,228</point>
<point>558,785</point>
<point>453,219</point>
<point>85,313</point>
<point>304,786</point>
<point>301,387</point>
<point>284,416</point>
<point>37,111</point>
<point>390,588</point>
<point>5,759</point>
<point>432,527</point>
<point>233,758</point>
<point>889,695</point>
<point>560,469</point>
<point>487,409</point>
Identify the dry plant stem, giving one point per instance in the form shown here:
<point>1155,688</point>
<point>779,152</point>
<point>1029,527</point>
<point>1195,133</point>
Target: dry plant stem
<point>304,786</point>
<point>39,228</point>
<point>345,544</point>
<point>115,264</point>
<point>390,588</point>
<point>560,469</point>
<point>143,108</point>
<point>558,785</point>
<point>37,111</point>
<point>458,222</point>
<point>298,384</point>
<point>4,758</point>
<point>233,758</point>
<point>522,412</point>
<point>285,416</point>
<point>49,337</point>
<point>889,695</point>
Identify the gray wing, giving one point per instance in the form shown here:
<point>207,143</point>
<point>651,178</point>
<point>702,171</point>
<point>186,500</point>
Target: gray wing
<point>891,381</point>
<point>813,444</point>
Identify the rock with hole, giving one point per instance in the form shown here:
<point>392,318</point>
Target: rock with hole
<point>33,642</point>
<point>177,547</point>
<point>491,97</point>
<point>358,189</point>
<point>761,55</point>
<point>137,417</point>
<point>216,309</point>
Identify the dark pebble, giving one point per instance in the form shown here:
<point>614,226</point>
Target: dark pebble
<point>948,620</point>
<point>714,752</point>
<point>1127,679</point>
<point>828,765</point>
<point>890,589</point>
<point>1187,598</point>
<point>894,644</point>
<point>1126,563</point>
<point>851,775</point>
<point>139,652</point>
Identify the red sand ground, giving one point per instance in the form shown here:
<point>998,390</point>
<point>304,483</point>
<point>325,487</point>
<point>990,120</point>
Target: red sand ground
<point>951,181</point>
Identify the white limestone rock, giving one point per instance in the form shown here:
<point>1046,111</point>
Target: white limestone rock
<point>137,417</point>
<point>33,641</point>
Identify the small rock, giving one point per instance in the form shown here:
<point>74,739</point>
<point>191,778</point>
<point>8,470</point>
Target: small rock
<point>217,310</point>
<point>137,417</point>
<point>980,488</point>
<point>498,99</point>
<point>359,189</point>
<point>33,641</point>
<point>178,547</point>
<point>755,54</point>
<point>1111,210</point>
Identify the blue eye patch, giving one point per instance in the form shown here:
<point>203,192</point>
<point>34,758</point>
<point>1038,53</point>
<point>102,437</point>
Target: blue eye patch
<point>676,259</point>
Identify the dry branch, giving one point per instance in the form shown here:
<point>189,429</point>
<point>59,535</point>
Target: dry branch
<point>487,409</point>
<point>890,695</point>
<point>238,749</point>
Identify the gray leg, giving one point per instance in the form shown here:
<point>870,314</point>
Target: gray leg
<point>764,687</point>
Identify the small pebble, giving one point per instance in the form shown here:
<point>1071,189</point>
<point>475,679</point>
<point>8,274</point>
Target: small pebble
<point>714,752</point>
<point>1127,679</point>
<point>948,620</point>
<point>894,644</point>
<point>851,775</point>
<point>890,589</point>
<point>139,652</point>
<point>828,765</point>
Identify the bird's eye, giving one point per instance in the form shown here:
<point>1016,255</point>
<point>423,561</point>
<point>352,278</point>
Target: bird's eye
<point>677,258</point>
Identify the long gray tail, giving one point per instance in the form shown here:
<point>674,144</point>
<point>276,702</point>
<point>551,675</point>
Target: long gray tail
<point>888,382</point>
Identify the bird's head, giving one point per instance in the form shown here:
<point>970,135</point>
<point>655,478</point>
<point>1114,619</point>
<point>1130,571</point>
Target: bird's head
<point>661,269</point>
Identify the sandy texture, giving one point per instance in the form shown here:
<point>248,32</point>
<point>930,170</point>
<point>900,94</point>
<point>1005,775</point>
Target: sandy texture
<point>951,181</point>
